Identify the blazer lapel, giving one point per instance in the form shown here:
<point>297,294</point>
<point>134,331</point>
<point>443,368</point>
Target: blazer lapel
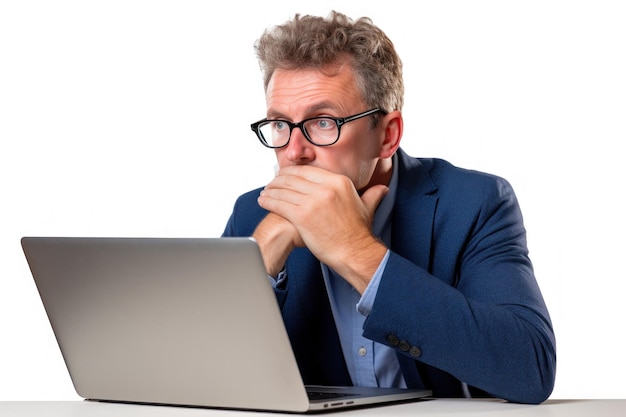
<point>414,211</point>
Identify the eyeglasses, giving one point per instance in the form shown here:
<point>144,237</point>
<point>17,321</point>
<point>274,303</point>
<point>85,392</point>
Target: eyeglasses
<point>320,131</point>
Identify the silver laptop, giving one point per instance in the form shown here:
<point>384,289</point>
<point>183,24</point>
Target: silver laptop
<point>176,321</point>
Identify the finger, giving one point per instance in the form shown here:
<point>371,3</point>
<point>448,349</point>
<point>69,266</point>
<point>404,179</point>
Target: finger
<point>310,173</point>
<point>272,198</point>
<point>372,197</point>
<point>291,182</point>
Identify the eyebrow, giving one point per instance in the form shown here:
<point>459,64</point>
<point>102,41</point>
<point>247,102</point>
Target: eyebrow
<point>324,105</point>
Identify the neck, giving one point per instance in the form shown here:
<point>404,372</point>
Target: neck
<point>382,174</point>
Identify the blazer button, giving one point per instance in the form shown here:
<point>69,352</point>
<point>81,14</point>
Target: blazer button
<point>415,352</point>
<point>404,346</point>
<point>393,340</point>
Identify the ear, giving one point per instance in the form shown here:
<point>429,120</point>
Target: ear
<point>392,125</point>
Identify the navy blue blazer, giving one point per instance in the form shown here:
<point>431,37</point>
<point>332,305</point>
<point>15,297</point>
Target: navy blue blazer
<point>458,299</point>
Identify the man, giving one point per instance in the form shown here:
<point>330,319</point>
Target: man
<point>389,270</point>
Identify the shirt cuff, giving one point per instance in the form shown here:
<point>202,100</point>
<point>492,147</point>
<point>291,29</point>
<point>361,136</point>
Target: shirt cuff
<point>365,304</point>
<point>279,280</point>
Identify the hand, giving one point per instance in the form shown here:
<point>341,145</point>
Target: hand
<point>330,218</point>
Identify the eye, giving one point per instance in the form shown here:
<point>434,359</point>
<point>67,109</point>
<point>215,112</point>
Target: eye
<point>324,124</point>
<point>279,125</point>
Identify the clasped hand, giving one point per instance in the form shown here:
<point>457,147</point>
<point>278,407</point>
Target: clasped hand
<point>323,211</point>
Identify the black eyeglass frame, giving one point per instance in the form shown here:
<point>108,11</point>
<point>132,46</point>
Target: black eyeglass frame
<point>340,121</point>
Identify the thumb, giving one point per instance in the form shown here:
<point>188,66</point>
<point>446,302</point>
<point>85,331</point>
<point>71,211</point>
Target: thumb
<point>372,197</point>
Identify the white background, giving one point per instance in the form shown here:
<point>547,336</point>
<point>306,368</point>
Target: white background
<point>131,118</point>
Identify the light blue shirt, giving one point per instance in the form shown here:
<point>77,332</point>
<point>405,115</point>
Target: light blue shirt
<point>369,364</point>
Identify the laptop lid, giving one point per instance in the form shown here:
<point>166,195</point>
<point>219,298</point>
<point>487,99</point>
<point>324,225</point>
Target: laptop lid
<point>182,321</point>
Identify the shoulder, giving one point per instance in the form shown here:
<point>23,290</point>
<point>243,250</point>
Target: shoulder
<point>445,173</point>
<point>246,214</point>
<point>441,177</point>
<point>460,193</point>
<point>248,199</point>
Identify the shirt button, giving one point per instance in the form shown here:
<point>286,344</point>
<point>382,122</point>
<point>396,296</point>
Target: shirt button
<point>362,351</point>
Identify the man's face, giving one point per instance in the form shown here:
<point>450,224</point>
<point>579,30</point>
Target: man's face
<point>295,95</point>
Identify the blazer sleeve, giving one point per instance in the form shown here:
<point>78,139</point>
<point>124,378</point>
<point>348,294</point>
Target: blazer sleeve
<point>475,311</point>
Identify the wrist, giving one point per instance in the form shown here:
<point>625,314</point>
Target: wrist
<point>359,263</point>
<point>275,243</point>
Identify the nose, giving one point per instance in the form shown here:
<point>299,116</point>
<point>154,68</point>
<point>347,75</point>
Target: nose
<point>299,149</point>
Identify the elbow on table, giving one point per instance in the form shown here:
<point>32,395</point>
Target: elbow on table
<point>538,389</point>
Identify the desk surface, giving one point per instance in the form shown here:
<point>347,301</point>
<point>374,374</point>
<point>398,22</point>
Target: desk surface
<point>437,407</point>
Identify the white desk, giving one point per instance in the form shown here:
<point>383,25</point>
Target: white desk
<point>438,407</point>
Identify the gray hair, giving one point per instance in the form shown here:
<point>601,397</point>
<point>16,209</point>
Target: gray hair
<point>313,42</point>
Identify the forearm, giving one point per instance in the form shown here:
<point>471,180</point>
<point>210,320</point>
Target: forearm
<point>502,344</point>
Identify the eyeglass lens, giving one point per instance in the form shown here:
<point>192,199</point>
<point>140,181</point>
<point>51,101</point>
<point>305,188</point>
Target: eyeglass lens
<point>320,131</point>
